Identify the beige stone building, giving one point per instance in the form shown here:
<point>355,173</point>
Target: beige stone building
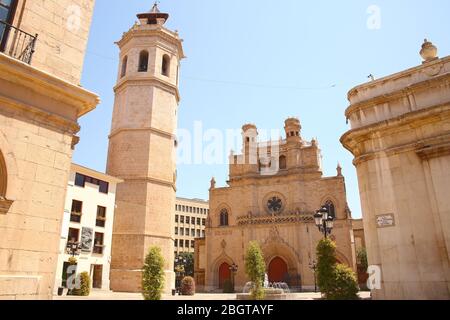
<point>86,231</point>
<point>271,197</point>
<point>400,137</point>
<point>190,223</point>
<point>142,148</point>
<point>41,59</point>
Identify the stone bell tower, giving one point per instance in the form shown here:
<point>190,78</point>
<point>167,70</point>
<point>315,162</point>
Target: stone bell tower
<point>142,148</point>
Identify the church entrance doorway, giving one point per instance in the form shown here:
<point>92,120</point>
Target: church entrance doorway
<point>278,270</point>
<point>224,274</point>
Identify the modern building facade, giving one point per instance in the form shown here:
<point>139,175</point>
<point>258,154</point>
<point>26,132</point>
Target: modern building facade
<point>142,148</point>
<point>273,192</point>
<point>86,232</point>
<point>400,137</point>
<point>190,223</point>
<point>41,59</point>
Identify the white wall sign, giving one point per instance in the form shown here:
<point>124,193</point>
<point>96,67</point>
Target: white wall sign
<point>385,220</point>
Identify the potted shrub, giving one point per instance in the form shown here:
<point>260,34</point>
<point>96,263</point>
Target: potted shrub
<point>188,286</point>
<point>153,275</point>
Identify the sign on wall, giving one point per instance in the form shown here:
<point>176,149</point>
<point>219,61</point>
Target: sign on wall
<point>385,220</point>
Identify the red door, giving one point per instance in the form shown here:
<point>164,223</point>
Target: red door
<point>224,274</point>
<point>278,270</point>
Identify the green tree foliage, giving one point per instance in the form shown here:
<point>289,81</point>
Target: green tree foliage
<point>361,258</point>
<point>85,285</point>
<point>153,275</point>
<point>255,269</point>
<point>345,284</point>
<point>336,281</point>
<point>326,261</point>
<point>188,286</point>
<point>189,265</point>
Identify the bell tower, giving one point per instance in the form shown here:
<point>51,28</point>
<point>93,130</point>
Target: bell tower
<point>142,148</point>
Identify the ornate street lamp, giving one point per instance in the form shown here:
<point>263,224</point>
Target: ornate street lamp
<point>313,267</point>
<point>324,221</point>
<point>73,248</point>
<point>233,268</point>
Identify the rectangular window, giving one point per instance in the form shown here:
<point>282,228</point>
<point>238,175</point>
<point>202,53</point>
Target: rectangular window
<point>75,214</point>
<point>176,218</point>
<point>199,221</point>
<point>186,243</point>
<point>176,231</point>
<point>181,231</point>
<point>184,208</point>
<point>198,233</point>
<point>181,243</point>
<point>204,222</point>
<point>73,235</point>
<point>79,180</point>
<point>176,243</point>
<point>98,243</point>
<point>193,220</point>
<point>182,219</point>
<point>203,233</point>
<point>186,232</point>
<point>192,232</point>
<point>103,187</point>
<point>192,243</point>
<point>101,217</point>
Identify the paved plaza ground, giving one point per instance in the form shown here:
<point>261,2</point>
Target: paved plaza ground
<point>109,295</point>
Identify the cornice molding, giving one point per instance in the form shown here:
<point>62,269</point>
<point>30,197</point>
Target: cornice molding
<point>45,84</point>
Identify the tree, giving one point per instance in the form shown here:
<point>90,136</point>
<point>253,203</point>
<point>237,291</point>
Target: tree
<point>153,275</point>
<point>336,281</point>
<point>255,268</point>
<point>189,265</point>
<point>326,261</point>
<point>361,258</point>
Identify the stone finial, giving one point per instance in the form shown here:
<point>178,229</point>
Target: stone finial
<point>314,142</point>
<point>213,183</point>
<point>429,51</point>
<point>339,170</point>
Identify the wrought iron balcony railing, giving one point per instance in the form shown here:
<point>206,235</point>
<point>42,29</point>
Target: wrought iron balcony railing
<point>16,43</point>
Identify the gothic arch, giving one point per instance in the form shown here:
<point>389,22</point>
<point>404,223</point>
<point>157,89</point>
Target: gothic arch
<point>3,176</point>
<point>216,219</point>
<point>215,266</point>
<point>8,168</point>
<point>335,203</point>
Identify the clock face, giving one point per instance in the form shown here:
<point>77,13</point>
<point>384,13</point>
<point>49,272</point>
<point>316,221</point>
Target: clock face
<point>275,205</point>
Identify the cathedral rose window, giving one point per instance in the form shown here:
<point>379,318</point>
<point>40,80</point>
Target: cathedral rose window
<point>275,205</point>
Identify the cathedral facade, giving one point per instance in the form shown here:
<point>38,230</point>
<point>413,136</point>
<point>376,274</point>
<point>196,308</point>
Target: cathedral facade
<point>271,197</point>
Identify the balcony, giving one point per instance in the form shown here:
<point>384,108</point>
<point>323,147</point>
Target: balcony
<point>98,248</point>
<point>100,222</point>
<point>75,217</point>
<point>16,43</point>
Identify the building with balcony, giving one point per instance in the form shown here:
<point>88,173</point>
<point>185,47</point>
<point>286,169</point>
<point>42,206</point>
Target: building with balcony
<point>190,223</point>
<point>87,227</point>
<point>42,52</point>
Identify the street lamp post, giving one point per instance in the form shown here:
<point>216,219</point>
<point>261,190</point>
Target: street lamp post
<point>233,269</point>
<point>324,221</point>
<point>313,267</point>
<point>180,263</point>
<point>73,248</point>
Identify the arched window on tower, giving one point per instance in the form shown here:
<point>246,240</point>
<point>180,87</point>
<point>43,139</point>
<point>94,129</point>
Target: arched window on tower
<point>143,61</point>
<point>123,72</point>
<point>331,208</point>
<point>283,163</point>
<point>224,218</point>
<point>165,70</point>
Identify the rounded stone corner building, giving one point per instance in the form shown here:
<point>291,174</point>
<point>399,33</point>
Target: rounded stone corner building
<point>273,191</point>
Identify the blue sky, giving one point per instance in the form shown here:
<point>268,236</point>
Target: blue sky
<point>262,61</point>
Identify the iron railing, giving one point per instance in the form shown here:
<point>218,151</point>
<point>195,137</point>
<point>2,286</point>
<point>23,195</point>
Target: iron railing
<point>16,43</point>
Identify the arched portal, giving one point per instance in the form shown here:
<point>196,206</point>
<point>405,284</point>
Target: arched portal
<point>224,274</point>
<point>278,270</point>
